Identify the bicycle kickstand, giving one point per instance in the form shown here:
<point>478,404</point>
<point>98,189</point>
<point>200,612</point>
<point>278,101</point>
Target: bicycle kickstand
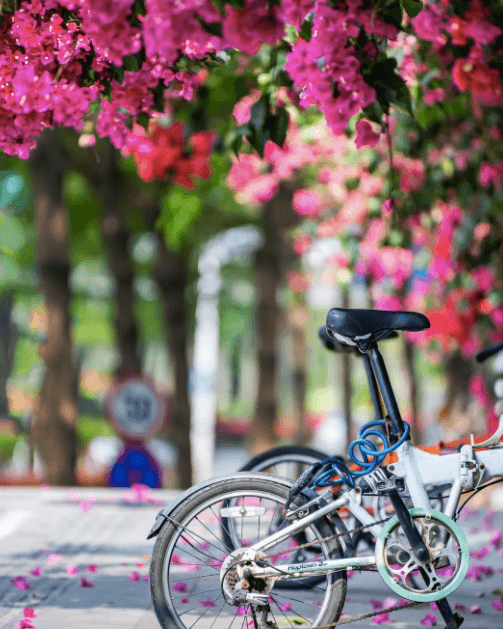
<point>452,620</point>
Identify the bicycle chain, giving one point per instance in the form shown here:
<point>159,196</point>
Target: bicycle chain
<point>337,536</point>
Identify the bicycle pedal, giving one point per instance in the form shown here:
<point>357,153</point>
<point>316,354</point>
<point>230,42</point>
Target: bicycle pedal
<point>457,622</point>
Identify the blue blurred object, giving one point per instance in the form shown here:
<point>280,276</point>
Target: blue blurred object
<point>135,465</point>
<point>13,192</point>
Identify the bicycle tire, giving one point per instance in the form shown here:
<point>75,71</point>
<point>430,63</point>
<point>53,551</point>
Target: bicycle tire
<point>283,454</point>
<point>189,514</point>
<point>284,457</point>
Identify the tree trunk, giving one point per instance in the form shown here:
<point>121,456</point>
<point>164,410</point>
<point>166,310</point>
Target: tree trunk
<point>262,435</point>
<point>172,275</point>
<point>54,427</point>
<point>298,319</point>
<point>278,218</point>
<point>454,414</point>
<point>347,373</point>
<point>117,236</point>
<point>409,354</point>
<point>9,336</point>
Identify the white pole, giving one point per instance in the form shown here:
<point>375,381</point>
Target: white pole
<point>204,380</point>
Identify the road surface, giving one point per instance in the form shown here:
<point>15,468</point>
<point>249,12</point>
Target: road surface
<point>59,533</point>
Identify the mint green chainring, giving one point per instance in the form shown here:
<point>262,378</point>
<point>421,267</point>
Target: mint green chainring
<point>440,585</point>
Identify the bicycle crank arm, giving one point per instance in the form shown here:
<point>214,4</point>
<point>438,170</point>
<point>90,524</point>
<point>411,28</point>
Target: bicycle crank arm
<point>452,621</point>
<point>415,540</point>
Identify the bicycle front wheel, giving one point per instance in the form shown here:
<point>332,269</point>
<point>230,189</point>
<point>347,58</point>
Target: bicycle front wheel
<point>185,573</point>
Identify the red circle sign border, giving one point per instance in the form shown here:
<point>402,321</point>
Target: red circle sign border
<point>161,416</point>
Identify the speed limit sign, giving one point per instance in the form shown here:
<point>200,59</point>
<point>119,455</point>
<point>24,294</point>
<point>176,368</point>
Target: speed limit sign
<point>136,409</point>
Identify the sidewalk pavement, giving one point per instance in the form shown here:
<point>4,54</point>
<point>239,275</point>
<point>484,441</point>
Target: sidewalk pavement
<point>62,534</point>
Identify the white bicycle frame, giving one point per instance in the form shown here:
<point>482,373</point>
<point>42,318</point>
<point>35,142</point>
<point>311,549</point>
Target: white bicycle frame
<point>462,470</point>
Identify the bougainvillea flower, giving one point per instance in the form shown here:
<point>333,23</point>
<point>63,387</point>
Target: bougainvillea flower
<point>497,605</point>
<point>366,136</point>
<point>181,586</point>
<point>207,602</point>
<point>134,576</point>
<point>84,583</point>
<point>53,558</point>
<point>497,538</point>
<point>21,583</point>
<point>307,202</point>
<point>285,607</point>
<point>430,620</point>
<point>381,619</point>
<point>29,612</point>
<point>91,568</point>
<point>71,570</point>
<point>36,572</point>
<point>24,623</point>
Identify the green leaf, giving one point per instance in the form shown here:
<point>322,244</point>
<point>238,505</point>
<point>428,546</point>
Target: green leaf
<point>134,62</point>
<point>393,10</point>
<point>413,7</point>
<point>258,112</point>
<point>117,73</point>
<point>213,28</point>
<point>236,145</point>
<point>390,87</point>
<point>220,6</point>
<point>306,28</point>
<point>278,126</point>
<point>143,119</point>
<point>374,112</point>
<point>258,140</point>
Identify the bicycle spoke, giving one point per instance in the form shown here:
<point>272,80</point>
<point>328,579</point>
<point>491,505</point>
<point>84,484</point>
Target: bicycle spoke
<point>287,619</point>
<point>217,616</point>
<point>293,611</point>
<point>176,598</point>
<point>222,550</point>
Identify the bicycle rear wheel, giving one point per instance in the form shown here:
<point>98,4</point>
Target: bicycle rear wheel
<point>286,461</point>
<point>185,573</point>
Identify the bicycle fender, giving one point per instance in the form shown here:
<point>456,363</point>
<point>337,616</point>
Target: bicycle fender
<point>163,515</point>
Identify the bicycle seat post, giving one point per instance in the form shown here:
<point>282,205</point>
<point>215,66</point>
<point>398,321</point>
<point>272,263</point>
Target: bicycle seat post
<point>396,425</point>
<point>374,391</point>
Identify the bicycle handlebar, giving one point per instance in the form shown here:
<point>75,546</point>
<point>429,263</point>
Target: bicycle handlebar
<point>337,346</point>
<point>488,352</point>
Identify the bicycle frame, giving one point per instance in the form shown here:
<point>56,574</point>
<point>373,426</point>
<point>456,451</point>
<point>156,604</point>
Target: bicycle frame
<point>463,470</point>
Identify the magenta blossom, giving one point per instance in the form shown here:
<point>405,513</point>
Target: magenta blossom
<point>36,572</point>
<point>366,136</point>
<point>84,583</point>
<point>29,612</point>
<point>24,623</point>
<point>21,583</point>
<point>430,620</point>
<point>497,605</point>
<point>134,576</point>
<point>381,619</point>
<point>307,202</point>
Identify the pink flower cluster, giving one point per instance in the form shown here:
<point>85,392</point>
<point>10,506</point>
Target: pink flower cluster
<point>257,180</point>
<point>474,73</point>
<point>43,52</point>
<point>328,64</point>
